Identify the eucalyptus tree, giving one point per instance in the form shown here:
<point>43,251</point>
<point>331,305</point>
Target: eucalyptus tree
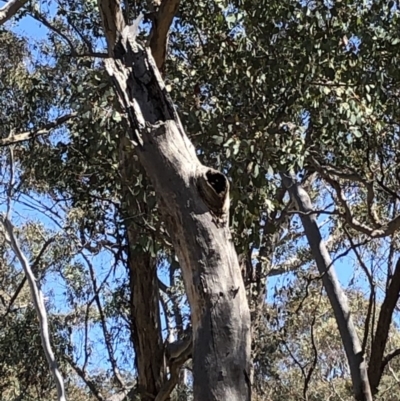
<point>260,89</point>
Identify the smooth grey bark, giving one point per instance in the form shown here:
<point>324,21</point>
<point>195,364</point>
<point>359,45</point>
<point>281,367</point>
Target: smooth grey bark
<point>337,298</point>
<point>194,202</point>
<point>38,303</point>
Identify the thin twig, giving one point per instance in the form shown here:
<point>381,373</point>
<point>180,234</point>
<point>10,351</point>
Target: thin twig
<point>107,337</point>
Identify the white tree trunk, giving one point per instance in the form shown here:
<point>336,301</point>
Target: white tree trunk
<point>337,298</point>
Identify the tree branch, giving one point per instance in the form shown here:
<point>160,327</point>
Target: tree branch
<point>90,383</point>
<point>10,9</point>
<point>336,295</point>
<point>159,34</point>
<point>25,136</point>
<point>106,334</point>
<point>15,296</point>
<point>389,357</point>
<point>21,285</point>
<point>178,353</point>
<point>88,54</point>
<point>383,230</point>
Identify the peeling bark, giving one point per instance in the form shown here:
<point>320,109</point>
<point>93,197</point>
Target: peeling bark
<point>197,224</point>
<point>337,298</point>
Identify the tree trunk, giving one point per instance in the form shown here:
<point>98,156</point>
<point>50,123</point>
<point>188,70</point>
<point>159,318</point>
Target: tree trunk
<point>376,362</point>
<point>194,202</point>
<point>337,298</point>
<point>145,321</point>
<point>144,301</point>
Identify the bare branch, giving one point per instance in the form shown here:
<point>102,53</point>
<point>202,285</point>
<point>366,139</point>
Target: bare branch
<point>332,286</point>
<point>21,285</point>
<point>25,136</point>
<point>294,263</point>
<point>88,54</point>
<point>384,230</point>
<point>10,9</point>
<point>107,337</point>
<point>14,297</point>
<point>315,359</point>
<point>82,374</point>
<point>389,357</point>
<point>11,183</point>
<point>360,260</point>
<point>50,26</point>
<point>355,177</point>
<point>38,302</point>
<point>80,34</point>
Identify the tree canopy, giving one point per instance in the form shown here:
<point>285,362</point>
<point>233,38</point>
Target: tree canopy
<point>295,103</point>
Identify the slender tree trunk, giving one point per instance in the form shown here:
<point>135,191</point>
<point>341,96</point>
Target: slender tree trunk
<point>194,202</point>
<point>144,300</point>
<point>376,363</point>
<point>337,298</point>
<point>145,320</point>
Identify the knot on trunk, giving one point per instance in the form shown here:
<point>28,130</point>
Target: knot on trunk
<point>213,188</point>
